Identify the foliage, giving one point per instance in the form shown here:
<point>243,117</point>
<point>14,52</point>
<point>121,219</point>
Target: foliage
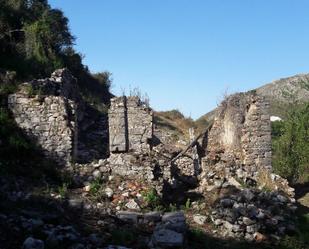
<point>63,190</point>
<point>35,40</point>
<point>265,182</point>
<point>187,205</point>
<point>96,191</point>
<point>277,129</point>
<point>172,208</point>
<point>152,199</point>
<point>291,146</point>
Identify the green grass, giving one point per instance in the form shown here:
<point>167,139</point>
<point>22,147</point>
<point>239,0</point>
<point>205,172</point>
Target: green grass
<point>96,191</point>
<point>152,199</point>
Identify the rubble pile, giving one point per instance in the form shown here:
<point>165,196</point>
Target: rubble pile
<point>254,215</point>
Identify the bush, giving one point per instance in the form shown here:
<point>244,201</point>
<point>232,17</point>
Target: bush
<point>291,145</point>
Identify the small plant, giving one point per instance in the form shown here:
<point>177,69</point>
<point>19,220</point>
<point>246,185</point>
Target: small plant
<point>172,207</point>
<point>96,190</point>
<point>265,182</point>
<point>151,198</point>
<point>188,204</point>
<point>63,190</point>
<point>95,186</point>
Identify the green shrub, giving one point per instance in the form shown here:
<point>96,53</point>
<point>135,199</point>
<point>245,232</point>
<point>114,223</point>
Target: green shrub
<point>291,145</point>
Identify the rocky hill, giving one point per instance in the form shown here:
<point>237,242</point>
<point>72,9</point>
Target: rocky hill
<point>281,94</point>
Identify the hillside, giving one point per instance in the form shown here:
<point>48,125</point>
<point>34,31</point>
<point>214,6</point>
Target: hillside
<point>281,94</point>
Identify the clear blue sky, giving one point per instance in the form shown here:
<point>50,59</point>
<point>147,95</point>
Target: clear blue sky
<point>185,53</point>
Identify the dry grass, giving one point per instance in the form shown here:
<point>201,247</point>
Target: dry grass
<point>265,182</point>
<point>174,121</point>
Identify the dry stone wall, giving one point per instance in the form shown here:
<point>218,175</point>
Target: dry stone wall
<point>239,142</point>
<point>47,111</point>
<point>118,125</point>
<point>130,125</point>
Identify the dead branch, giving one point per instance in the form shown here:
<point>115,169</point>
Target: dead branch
<point>193,143</point>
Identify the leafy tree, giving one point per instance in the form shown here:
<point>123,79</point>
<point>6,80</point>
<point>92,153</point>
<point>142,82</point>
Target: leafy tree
<point>35,40</point>
<point>291,146</point>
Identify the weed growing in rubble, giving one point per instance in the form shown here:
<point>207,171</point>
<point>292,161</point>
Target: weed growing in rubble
<point>152,199</point>
<point>172,207</point>
<point>188,204</point>
<point>265,181</point>
<point>63,190</point>
<point>96,191</point>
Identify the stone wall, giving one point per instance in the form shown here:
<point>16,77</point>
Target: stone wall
<point>46,110</point>
<point>118,125</point>
<point>239,142</point>
<point>130,125</point>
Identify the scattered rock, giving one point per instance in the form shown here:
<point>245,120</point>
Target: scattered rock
<point>97,174</point>
<point>252,211</point>
<point>76,203</point>
<point>167,238</point>
<point>31,243</point>
<point>109,192</point>
<point>133,205</point>
<point>128,216</point>
<point>87,188</point>
<point>199,219</point>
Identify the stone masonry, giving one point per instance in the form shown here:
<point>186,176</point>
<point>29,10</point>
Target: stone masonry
<point>46,110</point>
<point>130,125</point>
<point>239,142</point>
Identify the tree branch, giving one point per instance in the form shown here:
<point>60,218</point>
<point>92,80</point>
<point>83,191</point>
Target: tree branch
<point>11,31</point>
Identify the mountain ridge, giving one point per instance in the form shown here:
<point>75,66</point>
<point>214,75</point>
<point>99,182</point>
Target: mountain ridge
<point>281,94</point>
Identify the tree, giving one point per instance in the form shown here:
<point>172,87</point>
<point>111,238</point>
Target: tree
<point>291,149</point>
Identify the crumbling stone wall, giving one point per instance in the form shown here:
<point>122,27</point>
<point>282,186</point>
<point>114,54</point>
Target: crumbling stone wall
<point>130,125</point>
<point>239,142</point>
<point>46,110</point>
<point>118,125</point>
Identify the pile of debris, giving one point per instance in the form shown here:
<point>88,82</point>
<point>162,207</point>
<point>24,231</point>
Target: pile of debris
<point>169,229</point>
<point>255,215</point>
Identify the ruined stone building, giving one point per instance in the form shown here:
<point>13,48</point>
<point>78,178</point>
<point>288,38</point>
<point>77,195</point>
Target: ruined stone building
<point>47,111</point>
<point>51,112</point>
<point>239,141</point>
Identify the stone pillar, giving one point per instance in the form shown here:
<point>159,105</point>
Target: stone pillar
<point>130,125</point>
<point>140,127</point>
<point>118,126</point>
